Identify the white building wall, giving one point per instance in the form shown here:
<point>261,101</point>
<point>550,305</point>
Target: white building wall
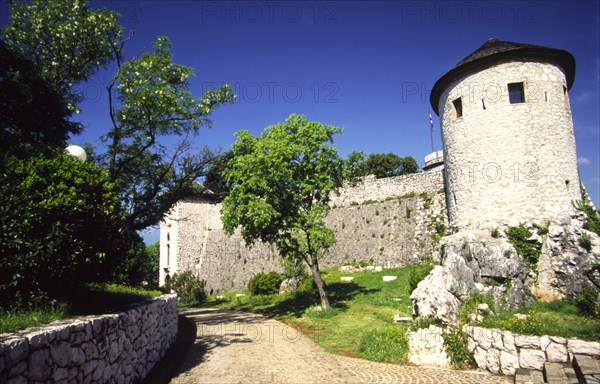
<point>509,163</point>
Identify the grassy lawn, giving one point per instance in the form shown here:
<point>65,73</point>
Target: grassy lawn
<point>359,322</point>
<point>94,300</point>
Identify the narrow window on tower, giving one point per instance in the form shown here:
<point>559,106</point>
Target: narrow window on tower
<point>516,93</point>
<point>457,106</point>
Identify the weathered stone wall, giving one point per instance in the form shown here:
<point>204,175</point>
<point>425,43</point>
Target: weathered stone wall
<point>509,163</point>
<point>371,188</point>
<point>119,348</point>
<point>389,229</point>
<point>503,351</point>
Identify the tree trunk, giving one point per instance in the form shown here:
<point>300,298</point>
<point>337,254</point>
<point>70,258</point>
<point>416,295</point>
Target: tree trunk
<point>314,268</point>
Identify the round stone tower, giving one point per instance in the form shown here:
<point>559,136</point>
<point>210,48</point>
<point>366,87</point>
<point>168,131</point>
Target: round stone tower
<point>507,133</point>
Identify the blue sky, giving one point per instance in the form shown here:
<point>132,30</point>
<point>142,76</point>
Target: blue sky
<point>364,66</point>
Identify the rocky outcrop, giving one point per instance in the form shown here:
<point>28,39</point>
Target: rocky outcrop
<point>566,258</point>
<point>471,261</point>
<point>474,261</point>
<point>118,348</point>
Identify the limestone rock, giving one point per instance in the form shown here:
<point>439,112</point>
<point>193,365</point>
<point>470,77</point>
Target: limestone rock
<point>580,347</point>
<point>557,353</point>
<point>289,285</point>
<point>509,362</point>
<point>532,359</point>
<point>426,348</point>
<point>347,278</point>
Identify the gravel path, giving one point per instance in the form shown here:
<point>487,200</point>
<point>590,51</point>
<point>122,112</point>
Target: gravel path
<point>236,347</point>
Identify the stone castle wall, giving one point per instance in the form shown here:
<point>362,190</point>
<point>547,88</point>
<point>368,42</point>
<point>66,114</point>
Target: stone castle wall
<point>389,222</point>
<point>509,163</point>
<point>119,348</point>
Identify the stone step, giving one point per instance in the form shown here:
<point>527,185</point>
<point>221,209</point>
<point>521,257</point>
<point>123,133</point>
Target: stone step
<point>587,369</point>
<point>559,373</point>
<point>527,376</point>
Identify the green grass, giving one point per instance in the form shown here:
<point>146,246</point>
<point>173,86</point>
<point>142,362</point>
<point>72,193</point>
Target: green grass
<point>557,318</point>
<point>360,317</point>
<point>95,299</point>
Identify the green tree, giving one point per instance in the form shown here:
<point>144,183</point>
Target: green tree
<point>280,184</point>
<point>152,102</point>
<point>59,228</point>
<point>389,164</point>
<point>34,116</point>
<point>214,179</point>
<point>65,40</point>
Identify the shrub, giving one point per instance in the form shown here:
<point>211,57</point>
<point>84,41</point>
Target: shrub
<point>593,217</point>
<point>388,345</point>
<point>456,348</point>
<point>265,283</point>
<point>529,250</point>
<point>495,233</point>
<point>60,221</point>
<point>585,241</point>
<point>587,302</point>
<point>188,287</point>
<point>418,274</point>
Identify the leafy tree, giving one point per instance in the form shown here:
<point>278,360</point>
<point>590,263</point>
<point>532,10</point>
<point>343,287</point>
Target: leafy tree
<point>214,179</point>
<point>152,102</point>
<point>389,164</point>
<point>65,40</point>
<point>59,228</point>
<point>33,114</point>
<point>280,185</point>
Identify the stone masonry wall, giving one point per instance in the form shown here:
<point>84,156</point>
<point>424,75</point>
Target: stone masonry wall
<point>394,226</point>
<point>509,163</point>
<point>118,348</point>
<point>372,188</point>
<point>503,351</point>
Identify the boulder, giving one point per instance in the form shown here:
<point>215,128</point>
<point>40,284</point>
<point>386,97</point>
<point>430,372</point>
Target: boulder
<point>289,285</point>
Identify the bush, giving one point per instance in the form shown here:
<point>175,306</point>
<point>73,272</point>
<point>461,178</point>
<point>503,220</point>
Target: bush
<point>529,250</point>
<point>418,274</point>
<point>587,302</point>
<point>265,283</point>
<point>388,345</point>
<point>189,288</point>
<point>456,347</point>
<point>60,221</point>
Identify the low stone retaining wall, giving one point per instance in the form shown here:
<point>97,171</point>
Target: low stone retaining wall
<point>118,348</point>
<point>503,351</point>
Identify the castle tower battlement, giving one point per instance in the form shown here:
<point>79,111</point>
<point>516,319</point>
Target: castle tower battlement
<point>507,133</point>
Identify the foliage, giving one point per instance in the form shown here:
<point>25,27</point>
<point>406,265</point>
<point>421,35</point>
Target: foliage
<point>189,288</point>
<point>139,266</point>
<point>388,345</point>
<point>388,165</point>
<point>214,179</point>
<point>152,102</point>
<point>33,115</point>
<point>455,342</point>
<point>280,186</point>
<point>418,274</point>
<point>530,250</point>
<point>588,301</point>
<point>293,268</point>
<point>265,283</point>
<point>60,221</point>
<point>422,323</point>
<point>495,233</point>
<point>92,299</point>
<point>557,318</point>
<point>585,241</point>
<point>65,40</point>
<point>470,305</point>
<point>593,217</point>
